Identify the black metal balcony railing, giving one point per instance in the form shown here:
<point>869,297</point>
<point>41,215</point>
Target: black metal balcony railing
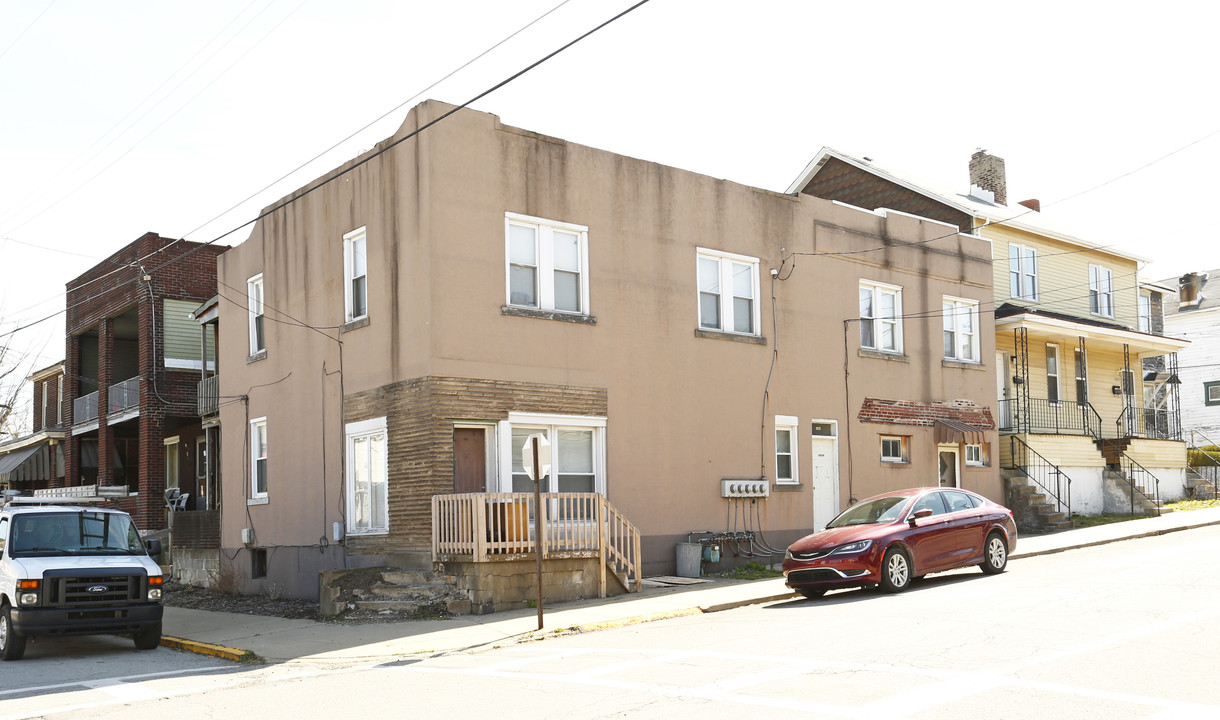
<point>1038,415</point>
<point>209,395</point>
<point>1147,422</point>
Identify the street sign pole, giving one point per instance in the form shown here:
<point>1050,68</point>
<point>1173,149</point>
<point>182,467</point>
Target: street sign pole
<point>538,528</point>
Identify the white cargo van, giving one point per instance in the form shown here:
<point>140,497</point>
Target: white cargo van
<point>67,568</point>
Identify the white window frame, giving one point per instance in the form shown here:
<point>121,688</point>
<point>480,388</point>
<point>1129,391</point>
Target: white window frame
<point>904,449</point>
<point>1022,268</point>
<point>255,306</point>
<point>1101,291</point>
<point>379,474</point>
<point>1054,379</point>
<point>352,240</point>
<point>787,424</point>
<point>544,262</point>
<point>172,474</point>
<point>877,322</point>
<point>258,432</point>
<point>955,309</point>
<point>551,424</point>
<point>1145,313</point>
<point>974,455</point>
<point>726,293</point>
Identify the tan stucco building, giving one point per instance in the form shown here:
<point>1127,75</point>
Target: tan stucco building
<point>393,331</point>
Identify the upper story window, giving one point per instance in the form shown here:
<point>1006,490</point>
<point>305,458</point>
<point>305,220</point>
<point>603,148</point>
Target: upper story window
<point>355,276</point>
<point>786,466</point>
<point>1211,393</point>
<point>1145,313</point>
<point>1022,272</point>
<point>728,292</point>
<point>254,304</point>
<point>548,264</point>
<point>1101,291</point>
<point>960,322</point>
<point>881,317</point>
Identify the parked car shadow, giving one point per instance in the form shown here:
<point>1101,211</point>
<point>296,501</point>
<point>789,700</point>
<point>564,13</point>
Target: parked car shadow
<point>854,595</point>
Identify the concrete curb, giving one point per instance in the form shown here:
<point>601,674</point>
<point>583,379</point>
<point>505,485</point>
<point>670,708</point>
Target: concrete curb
<point>748,601</point>
<point>1106,541</point>
<point>202,648</point>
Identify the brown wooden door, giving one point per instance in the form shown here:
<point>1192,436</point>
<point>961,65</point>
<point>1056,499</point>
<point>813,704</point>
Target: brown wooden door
<point>469,460</point>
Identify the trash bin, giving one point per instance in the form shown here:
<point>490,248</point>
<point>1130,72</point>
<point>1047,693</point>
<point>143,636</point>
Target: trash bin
<point>688,556</point>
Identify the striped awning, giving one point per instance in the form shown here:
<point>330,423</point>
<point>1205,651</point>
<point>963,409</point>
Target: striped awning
<point>956,431</point>
<point>31,463</point>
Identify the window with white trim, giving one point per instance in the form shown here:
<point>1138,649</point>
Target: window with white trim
<point>355,275</point>
<point>258,458</point>
<point>547,264</point>
<point>881,317</point>
<point>1022,272</point>
<point>254,305</point>
<point>1054,385</point>
<point>171,462</point>
<point>368,503</point>
<point>728,292</point>
<point>1145,313</point>
<point>578,452</point>
<point>975,455</point>
<point>786,467</point>
<point>895,448</point>
<point>960,321</point>
<point>1101,291</point>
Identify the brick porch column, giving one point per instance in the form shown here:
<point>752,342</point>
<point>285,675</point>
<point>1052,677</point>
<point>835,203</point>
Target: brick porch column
<point>105,436</point>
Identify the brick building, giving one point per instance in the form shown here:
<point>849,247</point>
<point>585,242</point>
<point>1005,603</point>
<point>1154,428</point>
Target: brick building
<point>132,363</point>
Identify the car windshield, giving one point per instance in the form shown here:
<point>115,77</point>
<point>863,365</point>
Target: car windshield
<point>871,512</point>
<point>77,533</point>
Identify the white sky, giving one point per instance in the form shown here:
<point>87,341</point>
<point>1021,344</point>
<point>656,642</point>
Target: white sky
<point>118,118</point>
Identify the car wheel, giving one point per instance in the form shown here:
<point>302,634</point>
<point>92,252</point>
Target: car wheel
<point>148,638</point>
<point>895,570</point>
<point>995,554</point>
<point>811,594</point>
<point>12,644</point>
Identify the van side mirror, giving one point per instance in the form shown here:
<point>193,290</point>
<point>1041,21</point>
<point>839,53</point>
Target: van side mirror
<point>153,546</point>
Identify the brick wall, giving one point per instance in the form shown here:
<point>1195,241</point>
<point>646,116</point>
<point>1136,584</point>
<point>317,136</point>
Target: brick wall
<point>198,530</point>
<point>419,423</point>
<point>925,414</point>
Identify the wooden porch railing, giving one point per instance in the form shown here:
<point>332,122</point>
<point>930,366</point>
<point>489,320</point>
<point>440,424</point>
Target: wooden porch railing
<point>487,526</point>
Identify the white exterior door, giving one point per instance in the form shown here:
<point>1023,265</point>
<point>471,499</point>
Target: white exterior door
<point>1001,378</point>
<point>825,482</point>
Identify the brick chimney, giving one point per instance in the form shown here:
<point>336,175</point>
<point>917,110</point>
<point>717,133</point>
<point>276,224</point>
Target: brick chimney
<point>987,172</point>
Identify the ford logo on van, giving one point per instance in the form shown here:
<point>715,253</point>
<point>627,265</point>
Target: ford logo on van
<point>96,589</point>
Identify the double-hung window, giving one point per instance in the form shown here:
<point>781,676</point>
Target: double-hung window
<point>367,477</point>
<point>975,456</point>
<point>728,292</point>
<point>1022,272</point>
<point>960,320</point>
<point>1101,291</point>
<point>258,458</point>
<point>1054,386</point>
<point>547,264</point>
<point>786,472</point>
<point>1145,313</point>
<point>355,276</point>
<point>881,317</point>
<point>254,305</point>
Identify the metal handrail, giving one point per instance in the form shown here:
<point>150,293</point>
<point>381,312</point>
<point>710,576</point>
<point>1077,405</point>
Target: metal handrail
<point>1146,422</point>
<point>1135,475</point>
<point>1212,478</point>
<point>1043,473</point>
<point>1040,415</point>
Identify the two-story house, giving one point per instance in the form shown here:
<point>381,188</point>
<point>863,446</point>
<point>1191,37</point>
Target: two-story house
<point>1072,394</point>
<point>1190,314</point>
<point>132,366</point>
<point>34,461</point>
<point>702,356</point>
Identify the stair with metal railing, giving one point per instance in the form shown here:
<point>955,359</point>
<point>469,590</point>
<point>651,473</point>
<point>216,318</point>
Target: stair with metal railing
<point>1203,471</point>
<point>1038,492</point>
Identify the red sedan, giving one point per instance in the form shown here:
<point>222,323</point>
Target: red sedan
<point>891,539</point>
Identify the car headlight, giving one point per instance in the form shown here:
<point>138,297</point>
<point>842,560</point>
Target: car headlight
<point>27,599</point>
<point>154,593</point>
<point>787,554</point>
<point>852,548</point>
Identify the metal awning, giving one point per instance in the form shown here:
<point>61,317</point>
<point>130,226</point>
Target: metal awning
<point>956,431</point>
<point>30,463</point>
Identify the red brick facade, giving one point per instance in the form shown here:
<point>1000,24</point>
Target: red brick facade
<point>925,414</point>
<point>115,332</point>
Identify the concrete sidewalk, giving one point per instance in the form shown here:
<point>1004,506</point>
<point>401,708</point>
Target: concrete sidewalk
<point>258,638</point>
